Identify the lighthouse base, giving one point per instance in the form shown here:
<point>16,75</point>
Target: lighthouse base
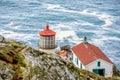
<point>48,50</point>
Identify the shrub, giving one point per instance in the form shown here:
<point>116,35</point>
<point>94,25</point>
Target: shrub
<point>19,59</point>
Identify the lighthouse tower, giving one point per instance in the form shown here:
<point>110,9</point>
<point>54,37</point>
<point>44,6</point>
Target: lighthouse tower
<point>47,40</point>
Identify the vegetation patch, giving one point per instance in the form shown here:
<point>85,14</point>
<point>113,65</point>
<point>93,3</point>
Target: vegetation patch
<point>45,66</point>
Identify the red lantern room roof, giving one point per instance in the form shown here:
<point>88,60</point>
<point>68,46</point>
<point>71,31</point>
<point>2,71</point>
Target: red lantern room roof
<point>47,32</point>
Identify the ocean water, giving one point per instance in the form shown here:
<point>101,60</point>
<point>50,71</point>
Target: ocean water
<point>98,20</point>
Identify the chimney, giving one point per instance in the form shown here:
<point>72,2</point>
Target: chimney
<point>85,40</point>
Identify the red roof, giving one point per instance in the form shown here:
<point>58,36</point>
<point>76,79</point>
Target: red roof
<point>87,53</point>
<point>47,32</point>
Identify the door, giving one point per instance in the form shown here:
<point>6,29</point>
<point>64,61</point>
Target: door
<point>101,72</point>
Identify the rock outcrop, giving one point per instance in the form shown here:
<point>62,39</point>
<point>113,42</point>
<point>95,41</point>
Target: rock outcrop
<point>21,62</point>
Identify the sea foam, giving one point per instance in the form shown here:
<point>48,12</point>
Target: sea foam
<point>102,16</point>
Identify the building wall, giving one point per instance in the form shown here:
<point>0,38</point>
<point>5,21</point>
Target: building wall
<point>104,65</point>
<point>77,63</point>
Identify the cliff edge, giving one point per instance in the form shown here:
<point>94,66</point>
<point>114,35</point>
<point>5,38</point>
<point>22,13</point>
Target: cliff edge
<point>21,62</point>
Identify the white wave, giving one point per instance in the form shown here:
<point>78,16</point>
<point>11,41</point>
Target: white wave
<point>101,39</point>
<point>17,27</point>
<point>61,35</point>
<point>64,34</point>
<point>68,30</point>
<point>18,36</point>
<point>74,26</point>
<point>87,24</point>
<point>68,33</point>
<point>12,25</point>
<point>6,17</point>
<point>80,22</point>
<point>110,38</point>
<point>63,25</point>
<point>52,6</point>
<point>102,16</point>
<point>106,18</point>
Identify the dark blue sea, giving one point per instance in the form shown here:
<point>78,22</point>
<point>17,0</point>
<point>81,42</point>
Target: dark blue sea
<point>98,20</point>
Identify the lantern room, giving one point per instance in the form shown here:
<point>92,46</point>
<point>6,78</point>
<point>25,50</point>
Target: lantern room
<point>47,39</point>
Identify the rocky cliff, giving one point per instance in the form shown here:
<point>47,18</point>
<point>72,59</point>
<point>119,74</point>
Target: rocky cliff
<point>21,62</point>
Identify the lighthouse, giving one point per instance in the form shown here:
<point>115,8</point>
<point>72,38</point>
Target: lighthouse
<point>47,40</point>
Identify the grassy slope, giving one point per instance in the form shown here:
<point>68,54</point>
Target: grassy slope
<point>16,54</point>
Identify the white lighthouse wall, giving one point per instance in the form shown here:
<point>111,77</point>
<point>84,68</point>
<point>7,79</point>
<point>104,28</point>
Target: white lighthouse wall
<point>48,50</point>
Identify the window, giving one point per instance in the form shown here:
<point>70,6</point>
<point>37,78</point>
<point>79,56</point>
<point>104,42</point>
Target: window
<point>72,56</point>
<point>77,61</point>
<point>81,65</point>
<point>99,71</point>
<point>98,64</point>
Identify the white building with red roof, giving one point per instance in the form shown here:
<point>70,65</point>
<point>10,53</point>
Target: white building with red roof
<point>89,57</point>
<point>47,40</point>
